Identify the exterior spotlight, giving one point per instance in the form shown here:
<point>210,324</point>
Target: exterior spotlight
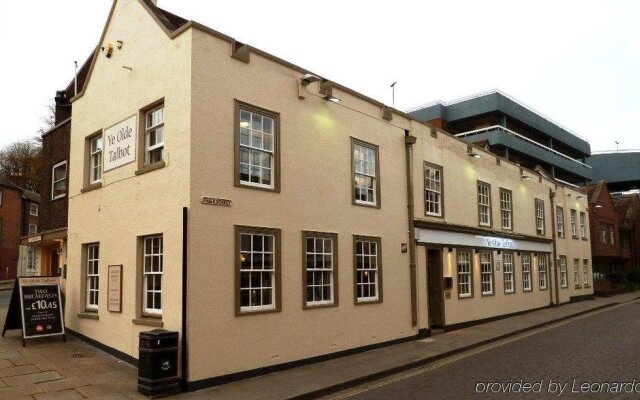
<point>526,177</point>
<point>568,194</point>
<point>308,78</point>
<point>598,206</point>
<point>474,155</point>
<point>580,197</point>
<point>332,98</point>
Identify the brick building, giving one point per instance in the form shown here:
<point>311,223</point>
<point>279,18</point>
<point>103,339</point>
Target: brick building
<point>49,242</point>
<point>608,259</point>
<point>628,208</point>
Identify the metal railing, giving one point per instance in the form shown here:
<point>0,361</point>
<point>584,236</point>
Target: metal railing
<point>523,138</point>
<point>615,151</point>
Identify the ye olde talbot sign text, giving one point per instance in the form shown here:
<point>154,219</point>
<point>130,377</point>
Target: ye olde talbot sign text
<point>120,143</point>
<point>215,201</point>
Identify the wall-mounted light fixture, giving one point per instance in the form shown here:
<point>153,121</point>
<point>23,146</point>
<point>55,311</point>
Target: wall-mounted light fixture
<point>598,206</point>
<point>474,155</point>
<point>568,194</point>
<point>580,197</point>
<point>450,249</point>
<point>308,78</point>
<point>526,177</point>
<point>332,98</point>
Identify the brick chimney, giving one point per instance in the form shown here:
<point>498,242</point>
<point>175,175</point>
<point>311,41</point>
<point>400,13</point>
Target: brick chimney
<point>17,179</point>
<point>63,107</point>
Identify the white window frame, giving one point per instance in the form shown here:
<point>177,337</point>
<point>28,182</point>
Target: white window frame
<point>574,228</point>
<point>360,164</point>
<point>433,190</point>
<point>540,223</point>
<point>508,273</point>
<point>486,273</point>
<point>148,149</point>
<point>576,271</point>
<point>152,273</point>
<point>563,272</point>
<point>527,285</point>
<point>585,271</point>
<point>53,180</point>
<point>583,228</point>
<point>32,262</point>
<point>317,266</point>
<point>253,151</point>
<point>95,159</point>
<point>31,209</point>
<point>560,222</point>
<point>92,277</point>
<point>252,254</point>
<point>33,229</point>
<point>484,204</point>
<point>542,271</point>
<point>372,258</point>
<point>506,209</point>
<point>464,261</point>
<point>612,236</point>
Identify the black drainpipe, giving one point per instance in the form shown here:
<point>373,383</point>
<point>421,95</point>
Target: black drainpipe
<point>184,360</point>
<point>554,256</point>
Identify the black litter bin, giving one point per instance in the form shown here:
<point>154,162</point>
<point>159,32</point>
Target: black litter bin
<point>158,363</point>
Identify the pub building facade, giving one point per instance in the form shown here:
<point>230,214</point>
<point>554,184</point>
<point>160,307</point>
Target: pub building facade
<point>253,207</point>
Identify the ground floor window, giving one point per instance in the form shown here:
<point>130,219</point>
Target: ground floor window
<point>257,269</point>
<point>32,265</point>
<point>526,272</point>
<point>368,269</point>
<point>507,265</point>
<point>465,268</point>
<point>542,271</point>
<point>563,271</point>
<point>576,271</point>
<point>585,271</point>
<point>152,274</point>
<point>93,276</point>
<point>486,272</point>
<point>319,264</point>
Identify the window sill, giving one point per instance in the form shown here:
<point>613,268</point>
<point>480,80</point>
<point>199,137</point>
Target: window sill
<point>88,315</point>
<point>463,297</point>
<point>314,306</point>
<point>369,205</point>
<point>151,167</point>
<point>574,237</point>
<point>91,187</point>
<point>241,313</point>
<point>585,239</point>
<point>364,302</point>
<point>155,322</point>
<point>586,286</point>
<point>577,287</point>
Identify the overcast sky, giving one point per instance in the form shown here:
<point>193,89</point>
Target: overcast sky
<point>577,62</point>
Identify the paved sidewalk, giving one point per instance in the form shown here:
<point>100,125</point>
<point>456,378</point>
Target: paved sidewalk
<point>330,376</point>
<point>47,369</point>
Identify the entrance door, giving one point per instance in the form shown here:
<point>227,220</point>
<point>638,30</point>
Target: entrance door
<point>435,288</point>
<point>55,262</point>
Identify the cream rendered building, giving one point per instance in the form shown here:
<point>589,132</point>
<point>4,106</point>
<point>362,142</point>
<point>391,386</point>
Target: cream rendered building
<point>268,223</point>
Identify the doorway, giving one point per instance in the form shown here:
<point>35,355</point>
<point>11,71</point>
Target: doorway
<point>55,262</point>
<point>435,290</point>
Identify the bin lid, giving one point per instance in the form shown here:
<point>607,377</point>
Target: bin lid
<point>158,334</point>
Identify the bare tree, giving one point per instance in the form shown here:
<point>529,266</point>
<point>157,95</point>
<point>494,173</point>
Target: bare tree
<point>48,119</point>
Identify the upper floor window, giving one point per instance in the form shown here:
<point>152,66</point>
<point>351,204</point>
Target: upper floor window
<point>32,263</point>
<point>257,145</point>
<point>433,190</point>
<point>560,222</point>
<point>506,209</point>
<point>59,180</point>
<point>33,229</point>
<point>583,228</point>
<point>154,135</point>
<point>611,235</point>
<point>33,209</point>
<point>540,217</point>
<point>484,204</point>
<point>574,228</point>
<point>95,160</point>
<point>366,180</point>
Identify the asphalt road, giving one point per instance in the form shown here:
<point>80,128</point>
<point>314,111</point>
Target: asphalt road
<point>592,350</point>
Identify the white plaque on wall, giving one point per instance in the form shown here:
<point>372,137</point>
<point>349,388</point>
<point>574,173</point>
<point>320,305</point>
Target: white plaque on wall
<point>120,143</point>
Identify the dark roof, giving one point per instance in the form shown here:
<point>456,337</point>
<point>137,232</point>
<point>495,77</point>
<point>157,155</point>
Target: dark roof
<point>7,183</point>
<point>27,194</point>
<point>593,191</point>
<point>169,20</point>
<point>623,166</point>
